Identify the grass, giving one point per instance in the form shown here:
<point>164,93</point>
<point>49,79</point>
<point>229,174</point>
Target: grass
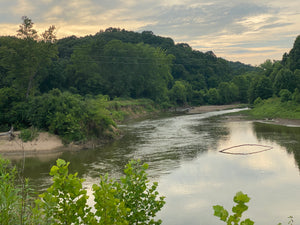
<point>274,108</point>
<point>120,109</point>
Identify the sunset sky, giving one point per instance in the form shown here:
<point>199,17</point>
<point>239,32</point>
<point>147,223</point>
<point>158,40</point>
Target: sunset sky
<point>247,31</point>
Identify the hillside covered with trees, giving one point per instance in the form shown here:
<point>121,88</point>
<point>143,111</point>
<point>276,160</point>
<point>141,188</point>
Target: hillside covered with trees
<point>64,86</point>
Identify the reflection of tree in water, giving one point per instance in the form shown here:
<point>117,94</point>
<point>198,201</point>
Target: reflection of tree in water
<point>288,137</point>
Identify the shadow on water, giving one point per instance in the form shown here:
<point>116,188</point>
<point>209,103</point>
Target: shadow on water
<point>287,137</point>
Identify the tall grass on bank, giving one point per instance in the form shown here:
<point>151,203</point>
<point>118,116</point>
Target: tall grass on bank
<point>275,108</point>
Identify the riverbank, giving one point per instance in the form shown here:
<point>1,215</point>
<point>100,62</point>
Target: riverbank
<point>244,115</point>
<point>47,142</point>
<point>211,108</point>
<point>44,143</point>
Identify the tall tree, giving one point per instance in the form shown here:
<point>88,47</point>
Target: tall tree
<point>26,30</point>
<point>34,53</point>
<point>285,79</point>
<point>294,55</point>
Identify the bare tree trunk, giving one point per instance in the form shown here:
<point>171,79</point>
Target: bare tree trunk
<point>29,87</point>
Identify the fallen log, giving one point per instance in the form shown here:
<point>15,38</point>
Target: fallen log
<point>10,133</point>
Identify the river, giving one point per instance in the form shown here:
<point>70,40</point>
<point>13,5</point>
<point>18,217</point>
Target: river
<point>183,153</point>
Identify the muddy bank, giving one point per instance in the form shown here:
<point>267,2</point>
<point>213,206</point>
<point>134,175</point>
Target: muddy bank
<point>283,122</point>
<point>211,108</point>
<point>277,121</point>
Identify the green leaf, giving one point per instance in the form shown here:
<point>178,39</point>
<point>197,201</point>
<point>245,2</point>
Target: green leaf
<point>60,162</point>
<point>247,222</point>
<point>220,212</point>
<point>240,197</point>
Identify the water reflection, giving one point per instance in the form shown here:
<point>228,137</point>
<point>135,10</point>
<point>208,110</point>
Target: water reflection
<point>287,137</point>
<point>213,178</point>
<point>183,155</point>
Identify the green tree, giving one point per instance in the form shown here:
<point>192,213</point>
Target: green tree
<point>285,95</point>
<point>267,67</point>
<point>296,95</point>
<point>260,87</point>
<point>178,93</point>
<point>228,92</point>
<point>294,55</point>
<point>24,58</point>
<point>9,97</point>
<point>285,79</point>
<point>242,84</point>
<point>213,96</point>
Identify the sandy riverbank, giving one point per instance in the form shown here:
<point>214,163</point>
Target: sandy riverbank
<point>44,143</point>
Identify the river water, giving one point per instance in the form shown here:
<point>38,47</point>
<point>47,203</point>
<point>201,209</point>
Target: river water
<point>183,156</point>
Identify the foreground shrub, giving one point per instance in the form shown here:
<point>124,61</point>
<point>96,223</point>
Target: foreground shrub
<point>130,201</point>
<point>15,197</point>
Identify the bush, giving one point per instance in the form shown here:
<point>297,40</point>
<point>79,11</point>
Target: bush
<point>130,201</point>
<point>15,200</point>
<point>285,95</point>
<point>296,96</point>
<point>28,134</point>
<point>257,101</point>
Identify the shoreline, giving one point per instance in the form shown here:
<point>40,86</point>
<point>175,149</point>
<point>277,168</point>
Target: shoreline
<point>211,108</point>
<point>47,143</point>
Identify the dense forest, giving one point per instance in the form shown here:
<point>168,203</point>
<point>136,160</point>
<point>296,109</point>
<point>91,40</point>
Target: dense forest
<point>62,86</point>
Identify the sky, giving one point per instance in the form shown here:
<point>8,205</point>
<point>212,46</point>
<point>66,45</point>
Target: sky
<point>249,31</point>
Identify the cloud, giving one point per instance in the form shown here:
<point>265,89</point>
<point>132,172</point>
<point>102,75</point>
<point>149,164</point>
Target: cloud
<point>214,25</point>
<point>23,7</point>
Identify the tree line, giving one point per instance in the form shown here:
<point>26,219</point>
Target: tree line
<point>52,83</point>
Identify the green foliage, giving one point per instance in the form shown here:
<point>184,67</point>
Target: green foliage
<point>296,96</point>
<point>65,202</point>
<point>257,101</point>
<point>285,95</point>
<point>28,134</point>
<point>141,199</point>
<point>260,87</point>
<point>213,96</point>
<point>235,219</point>
<point>228,92</point>
<point>120,70</point>
<point>60,113</point>
<point>130,201</point>
<point>294,55</point>
<point>8,100</point>
<point>178,93</point>
<point>274,108</point>
<point>285,79</point>
<point>24,59</point>
<point>15,200</point>
<point>108,207</point>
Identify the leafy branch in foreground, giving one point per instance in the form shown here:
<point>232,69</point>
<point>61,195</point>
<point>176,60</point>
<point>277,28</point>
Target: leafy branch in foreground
<point>130,201</point>
<point>240,198</point>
